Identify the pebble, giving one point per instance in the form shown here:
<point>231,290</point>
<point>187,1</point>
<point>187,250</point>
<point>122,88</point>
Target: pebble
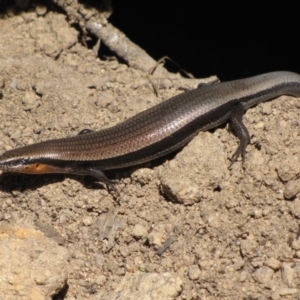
<point>286,291</point>
<point>41,10</point>
<point>273,263</point>
<point>288,274</point>
<point>87,221</point>
<point>156,238</point>
<point>243,276</point>
<point>296,245</point>
<point>263,275</point>
<point>7,216</point>
<point>291,189</point>
<point>194,272</point>
<point>139,231</point>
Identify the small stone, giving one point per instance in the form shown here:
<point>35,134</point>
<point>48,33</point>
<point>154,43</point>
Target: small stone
<point>30,100</point>
<point>156,238</point>
<point>194,272</point>
<point>249,247</point>
<point>294,207</point>
<point>87,221</point>
<point>79,204</point>
<point>257,262</point>
<point>273,263</point>
<point>288,274</point>
<point>257,213</point>
<point>243,276</point>
<point>7,216</point>
<point>101,279</point>
<point>292,188</point>
<point>63,218</point>
<point>238,264</point>
<point>263,274</point>
<point>140,285</point>
<point>42,278</point>
<point>142,175</point>
<point>296,245</point>
<point>139,231</point>
<point>41,10</point>
<point>266,211</point>
<point>286,291</point>
<point>8,202</point>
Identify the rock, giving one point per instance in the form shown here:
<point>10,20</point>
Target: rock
<point>273,263</point>
<point>206,171</point>
<point>292,188</point>
<point>288,275</point>
<point>87,221</point>
<point>139,231</point>
<point>32,265</point>
<point>150,286</point>
<point>194,272</point>
<point>296,245</point>
<point>286,291</point>
<point>263,274</point>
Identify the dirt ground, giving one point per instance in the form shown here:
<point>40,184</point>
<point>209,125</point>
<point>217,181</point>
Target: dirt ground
<point>185,226</point>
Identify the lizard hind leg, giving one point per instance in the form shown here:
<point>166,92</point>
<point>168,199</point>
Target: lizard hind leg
<point>241,132</point>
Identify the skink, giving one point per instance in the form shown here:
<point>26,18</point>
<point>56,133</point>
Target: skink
<point>154,132</point>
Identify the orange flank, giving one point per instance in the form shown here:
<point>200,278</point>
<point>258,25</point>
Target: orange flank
<point>38,168</point>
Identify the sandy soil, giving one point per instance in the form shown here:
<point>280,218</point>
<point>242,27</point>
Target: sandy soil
<point>233,233</point>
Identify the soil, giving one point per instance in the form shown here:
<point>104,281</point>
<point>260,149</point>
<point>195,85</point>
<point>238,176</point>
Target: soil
<point>226,233</point>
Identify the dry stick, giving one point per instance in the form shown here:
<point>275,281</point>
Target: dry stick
<point>166,245</point>
<point>135,56</point>
<point>117,42</point>
<point>95,22</point>
<point>163,61</point>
